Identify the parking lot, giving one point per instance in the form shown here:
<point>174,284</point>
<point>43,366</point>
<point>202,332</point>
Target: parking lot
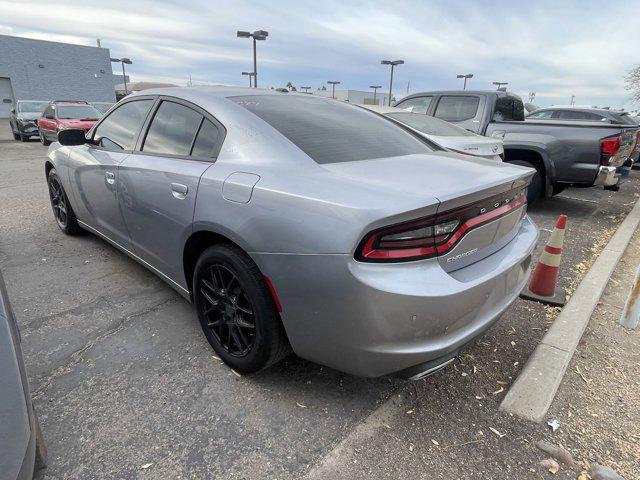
<point>126,385</point>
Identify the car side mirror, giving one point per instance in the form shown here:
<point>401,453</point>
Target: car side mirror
<point>71,137</point>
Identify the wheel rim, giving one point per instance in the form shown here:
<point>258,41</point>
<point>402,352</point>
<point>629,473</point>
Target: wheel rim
<point>58,203</point>
<point>227,310</point>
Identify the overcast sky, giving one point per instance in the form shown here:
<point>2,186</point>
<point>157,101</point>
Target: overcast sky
<point>555,48</point>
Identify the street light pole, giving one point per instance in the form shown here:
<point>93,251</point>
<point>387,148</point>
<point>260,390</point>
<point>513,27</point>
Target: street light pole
<point>257,35</point>
<point>393,63</point>
<point>122,61</point>
<point>249,74</point>
<point>465,76</point>
<point>306,89</point>
<point>333,84</point>
<point>375,89</point>
<point>500,84</point>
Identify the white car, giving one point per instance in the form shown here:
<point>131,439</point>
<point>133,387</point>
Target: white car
<point>445,134</point>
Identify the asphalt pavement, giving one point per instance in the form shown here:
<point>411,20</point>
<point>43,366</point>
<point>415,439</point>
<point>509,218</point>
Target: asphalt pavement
<point>126,386</point>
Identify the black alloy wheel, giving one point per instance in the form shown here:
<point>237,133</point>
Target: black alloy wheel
<point>237,311</point>
<point>62,211</point>
<point>228,310</point>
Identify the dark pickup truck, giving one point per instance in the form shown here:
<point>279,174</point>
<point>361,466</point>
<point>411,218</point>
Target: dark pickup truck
<point>563,153</point>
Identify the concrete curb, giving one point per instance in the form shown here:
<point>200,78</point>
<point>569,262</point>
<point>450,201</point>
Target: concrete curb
<point>531,394</point>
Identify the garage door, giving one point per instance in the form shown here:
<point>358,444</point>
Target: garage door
<point>6,97</point>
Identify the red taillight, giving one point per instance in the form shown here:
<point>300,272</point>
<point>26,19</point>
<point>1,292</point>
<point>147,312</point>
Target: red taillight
<point>435,235</point>
<point>608,148</point>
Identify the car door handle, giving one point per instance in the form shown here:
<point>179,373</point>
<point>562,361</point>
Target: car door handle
<point>110,177</point>
<point>179,190</point>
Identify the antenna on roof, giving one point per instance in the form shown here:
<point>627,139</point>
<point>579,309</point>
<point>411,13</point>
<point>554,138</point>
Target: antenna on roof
<point>98,42</point>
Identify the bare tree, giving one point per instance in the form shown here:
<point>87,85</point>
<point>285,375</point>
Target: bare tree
<point>632,83</point>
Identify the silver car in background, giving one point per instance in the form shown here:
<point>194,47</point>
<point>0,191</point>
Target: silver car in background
<point>445,134</point>
<point>295,221</point>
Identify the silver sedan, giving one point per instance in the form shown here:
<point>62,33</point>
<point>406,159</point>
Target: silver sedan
<point>298,222</point>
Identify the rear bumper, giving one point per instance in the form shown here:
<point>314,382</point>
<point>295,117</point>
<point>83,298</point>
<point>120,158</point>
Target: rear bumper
<point>377,319</point>
<point>608,176</point>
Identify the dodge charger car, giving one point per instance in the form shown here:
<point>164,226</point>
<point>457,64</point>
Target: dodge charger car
<point>294,221</point>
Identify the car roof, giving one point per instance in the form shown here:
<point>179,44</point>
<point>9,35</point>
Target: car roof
<point>384,109</point>
<point>462,92</point>
<point>210,91</point>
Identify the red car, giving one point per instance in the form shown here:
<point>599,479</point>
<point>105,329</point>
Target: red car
<point>60,115</point>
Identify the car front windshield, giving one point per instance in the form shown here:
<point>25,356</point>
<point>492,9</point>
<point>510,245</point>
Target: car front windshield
<point>66,112</point>
<point>429,125</point>
<point>31,106</point>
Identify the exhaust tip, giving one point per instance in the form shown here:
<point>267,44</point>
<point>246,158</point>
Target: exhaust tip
<point>422,370</point>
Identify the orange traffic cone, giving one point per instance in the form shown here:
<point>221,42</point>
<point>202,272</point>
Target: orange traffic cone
<point>542,287</point>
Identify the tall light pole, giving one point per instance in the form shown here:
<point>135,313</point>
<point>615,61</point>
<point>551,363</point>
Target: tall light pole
<point>573,99</point>
<point>333,84</point>
<point>306,89</point>
<point>465,76</point>
<point>393,63</point>
<point>123,60</point>
<point>249,74</point>
<point>375,89</point>
<point>257,35</point>
<point>500,84</point>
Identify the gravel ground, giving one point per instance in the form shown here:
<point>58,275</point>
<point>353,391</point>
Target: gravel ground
<point>122,377</point>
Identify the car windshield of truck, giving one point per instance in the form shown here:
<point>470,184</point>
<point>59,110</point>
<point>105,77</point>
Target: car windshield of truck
<point>330,131</point>
<point>430,125</point>
<point>83,112</point>
<point>31,106</point>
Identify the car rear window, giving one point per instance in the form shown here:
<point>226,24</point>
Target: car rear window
<point>430,125</point>
<point>330,131</point>
<point>455,108</point>
<point>78,112</point>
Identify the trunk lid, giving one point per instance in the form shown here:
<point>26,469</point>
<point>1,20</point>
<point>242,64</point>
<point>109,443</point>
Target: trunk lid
<point>473,145</point>
<point>457,182</point>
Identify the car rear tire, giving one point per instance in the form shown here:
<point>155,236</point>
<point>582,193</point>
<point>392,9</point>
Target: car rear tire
<point>43,139</point>
<point>62,211</point>
<point>534,192</point>
<point>236,310</point>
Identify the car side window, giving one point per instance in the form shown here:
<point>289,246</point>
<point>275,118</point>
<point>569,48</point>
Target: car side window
<point>545,114</point>
<point>455,108</point>
<point>416,104</point>
<point>206,144</point>
<point>118,130</point>
<point>172,130</point>
<point>48,112</point>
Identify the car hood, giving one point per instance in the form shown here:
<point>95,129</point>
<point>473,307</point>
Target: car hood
<point>28,115</point>
<point>82,124</point>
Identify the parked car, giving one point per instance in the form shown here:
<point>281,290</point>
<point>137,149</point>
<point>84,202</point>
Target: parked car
<point>23,118</point>
<point>296,219</point>
<point>60,115</point>
<point>22,449</point>
<point>582,114</point>
<point>102,107</point>
<point>445,134</point>
<point>563,153</point>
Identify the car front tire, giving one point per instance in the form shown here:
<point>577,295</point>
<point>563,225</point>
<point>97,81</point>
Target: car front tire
<point>43,139</point>
<point>237,312</point>
<point>62,211</point>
